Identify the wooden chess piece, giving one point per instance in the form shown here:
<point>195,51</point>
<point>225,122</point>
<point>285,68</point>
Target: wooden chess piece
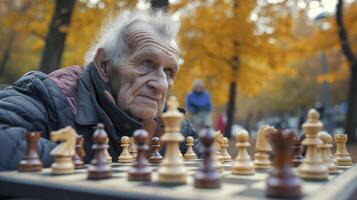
<point>312,167</point>
<point>216,157</point>
<point>139,170</point>
<point>297,152</point>
<point>190,154</point>
<point>77,159</point>
<point>224,150</point>
<point>282,182</point>
<point>243,164</point>
<point>125,156</point>
<point>99,167</point>
<point>343,158</point>
<point>262,148</point>
<point>63,152</point>
<point>207,176</point>
<point>330,151</point>
<point>31,161</point>
<point>324,151</point>
<point>132,148</point>
<point>155,156</point>
<point>218,144</point>
<point>107,155</point>
<point>172,169</point>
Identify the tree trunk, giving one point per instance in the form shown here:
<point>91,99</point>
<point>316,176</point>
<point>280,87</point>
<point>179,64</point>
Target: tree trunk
<point>233,85</point>
<point>160,4</point>
<point>7,52</point>
<point>230,108</point>
<point>55,40</point>
<point>351,118</point>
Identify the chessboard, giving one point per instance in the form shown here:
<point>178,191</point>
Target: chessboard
<point>44,185</point>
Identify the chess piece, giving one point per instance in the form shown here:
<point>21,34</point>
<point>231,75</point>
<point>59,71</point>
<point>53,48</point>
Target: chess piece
<point>262,148</point>
<point>31,162</point>
<point>172,169</point>
<point>333,159</point>
<point>77,159</point>
<point>297,152</point>
<point>216,157</point>
<point>324,151</point>
<point>139,170</point>
<point>190,154</point>
<point>99,167</point>
<point>132,148</point>
<point>343,158</point>
<point>207,176</point>
<point>218,144</point>
<point>224,152</point>
<point>243,164</point>
<point>312,167</point>
<point>155,156</point>
<point>282,182</point>
<point>125,156</point>
<point>107,155</point>
<point>63,152</point>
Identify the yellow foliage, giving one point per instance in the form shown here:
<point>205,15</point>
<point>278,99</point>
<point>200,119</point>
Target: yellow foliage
<point>208,34</point>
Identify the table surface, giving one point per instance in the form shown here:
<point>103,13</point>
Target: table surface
<point>44,185</point>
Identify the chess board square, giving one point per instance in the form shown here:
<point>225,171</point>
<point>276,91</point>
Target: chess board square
<point>252,192</point>
<point>238,180</point>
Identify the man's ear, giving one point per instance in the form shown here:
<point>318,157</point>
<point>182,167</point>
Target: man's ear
<point>102,64</point>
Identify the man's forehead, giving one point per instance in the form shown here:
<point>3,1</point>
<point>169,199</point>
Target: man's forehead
<point>140,33</point>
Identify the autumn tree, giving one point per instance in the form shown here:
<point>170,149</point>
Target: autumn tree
<point>351,118</point>
<point>224,46</point>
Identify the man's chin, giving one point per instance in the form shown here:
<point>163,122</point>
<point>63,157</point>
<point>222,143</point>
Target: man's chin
<point>145,114</point>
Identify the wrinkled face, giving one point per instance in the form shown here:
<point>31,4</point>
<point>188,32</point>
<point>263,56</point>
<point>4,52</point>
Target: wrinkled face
<point>140,84</point>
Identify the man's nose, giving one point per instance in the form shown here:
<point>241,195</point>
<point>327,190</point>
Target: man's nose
<point>158,81</point>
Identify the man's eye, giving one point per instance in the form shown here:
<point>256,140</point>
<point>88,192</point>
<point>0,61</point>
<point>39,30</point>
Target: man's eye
<point>148,64</point>
<point>169,72</point>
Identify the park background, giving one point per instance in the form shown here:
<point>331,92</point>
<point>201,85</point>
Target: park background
<point>262,61</point>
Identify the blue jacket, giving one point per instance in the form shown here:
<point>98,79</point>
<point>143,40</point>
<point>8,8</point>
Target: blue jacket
<point>36,103</point>
<point>196,102</point>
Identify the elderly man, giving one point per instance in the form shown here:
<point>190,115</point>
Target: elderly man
<point>124,85</point>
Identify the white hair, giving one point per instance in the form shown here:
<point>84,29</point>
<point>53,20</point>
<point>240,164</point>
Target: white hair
<point>111,37</point>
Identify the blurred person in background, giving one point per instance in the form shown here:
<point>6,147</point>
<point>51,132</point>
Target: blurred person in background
<point>198,103</point>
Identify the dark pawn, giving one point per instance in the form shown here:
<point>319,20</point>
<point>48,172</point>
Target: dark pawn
<point>207,176</point>
<point>99,168</point>
<point>155,154</point>
<point>31,162</point>
<point>78,156</point>
<point>297,153</point>
<point>282,183</point>
<point>139,170</point>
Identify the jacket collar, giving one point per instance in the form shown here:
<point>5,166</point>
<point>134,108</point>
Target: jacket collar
<point>90,112</point>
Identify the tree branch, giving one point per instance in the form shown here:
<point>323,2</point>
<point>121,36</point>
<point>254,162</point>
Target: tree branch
<point>346,48</point>
<point>211,54</point>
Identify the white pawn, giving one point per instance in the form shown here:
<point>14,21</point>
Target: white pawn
<point>190,154</point>
<point>243,164</point>
<point>343,158</point>
<point>125,156</point>
<point>107,155</point>
<point>224,152</point>
<point>132,148</point>
<point>325,150</point>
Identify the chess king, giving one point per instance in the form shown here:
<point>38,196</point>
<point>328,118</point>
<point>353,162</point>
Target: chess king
<point>129,70</point>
